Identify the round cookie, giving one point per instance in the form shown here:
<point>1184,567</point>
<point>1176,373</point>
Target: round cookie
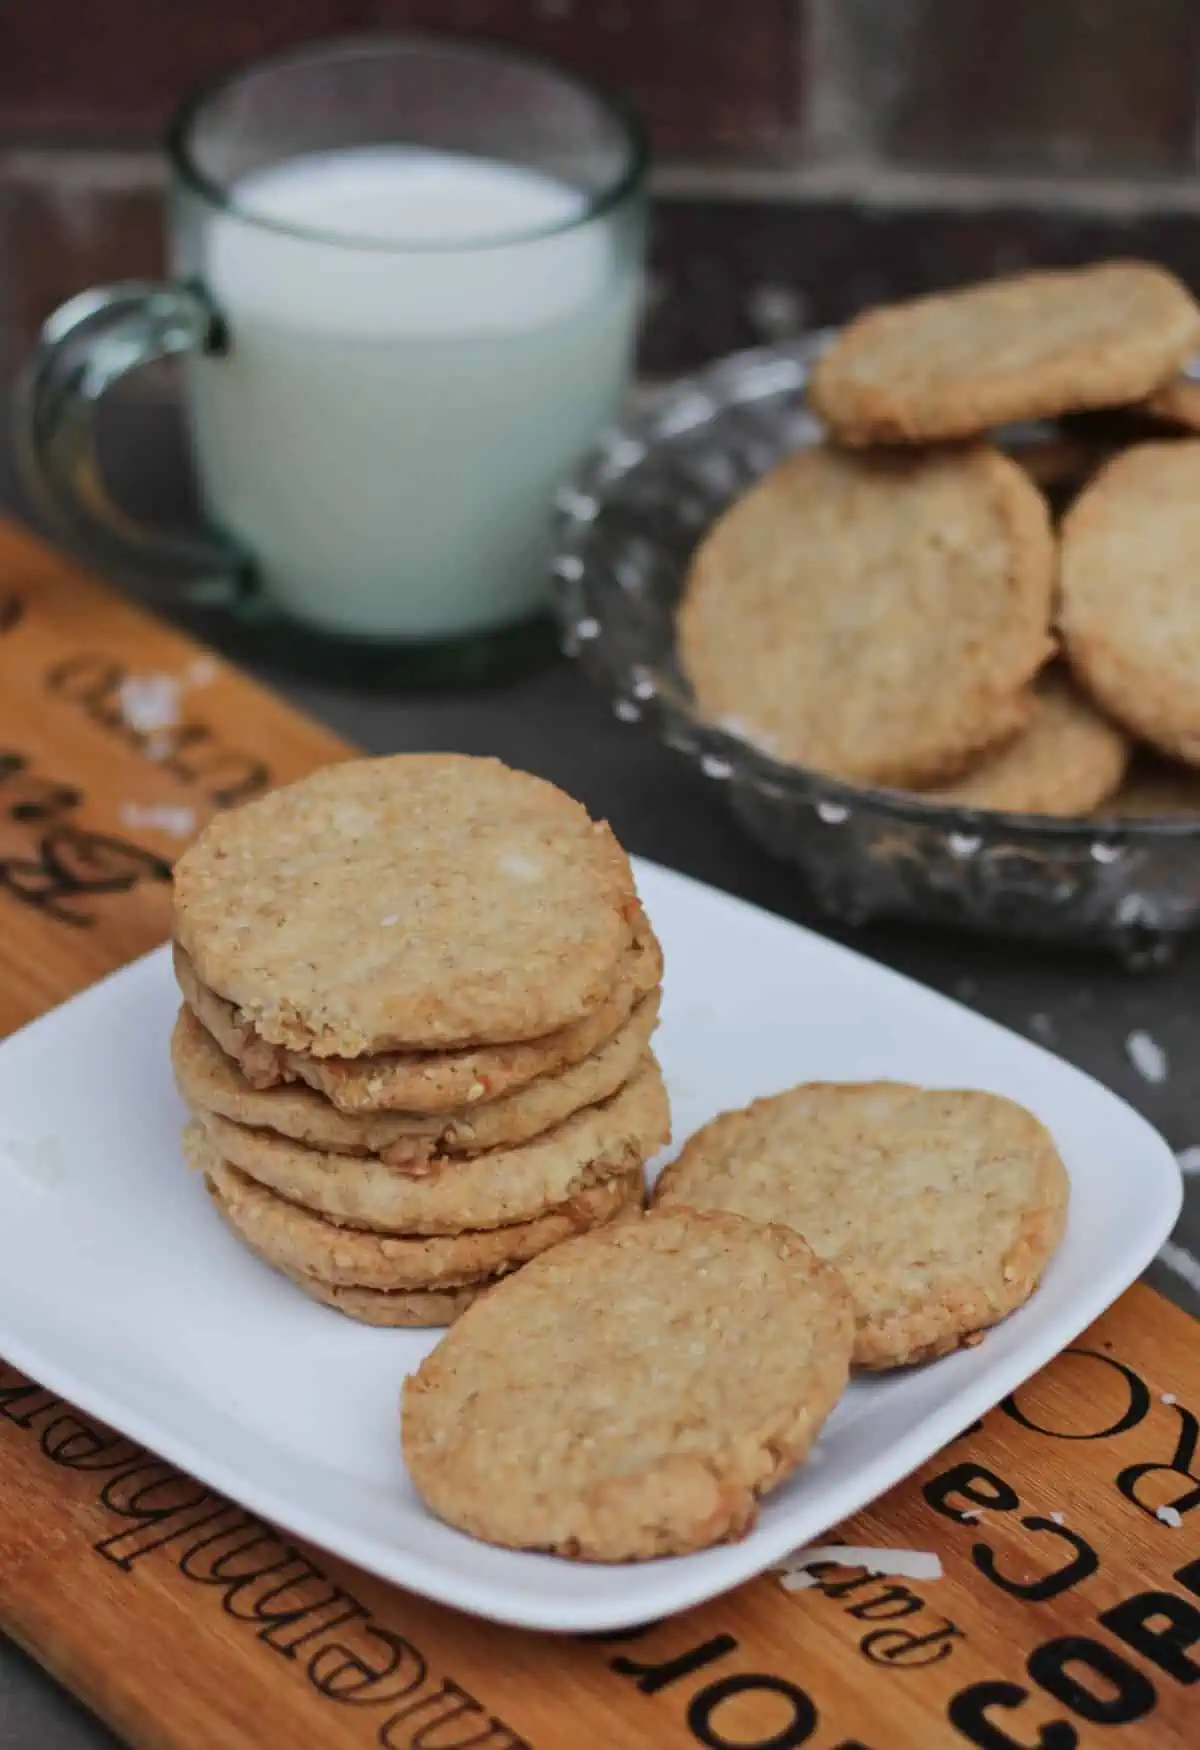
<point>633,1392</point>
<point>875,617</point>
<point>293,1238</point>
<point>421,901</point>
<point>939,1209</point>
<point>489,1190</point>
<point>408,1141</point>
<point>1066,762</point>
<point>1130,614</point>
<point>958,363</point>
<point>427,1081</point>
<point>400,1309</point>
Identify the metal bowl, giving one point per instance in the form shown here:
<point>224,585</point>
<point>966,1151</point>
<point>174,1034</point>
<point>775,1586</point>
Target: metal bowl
<point>626,527</point>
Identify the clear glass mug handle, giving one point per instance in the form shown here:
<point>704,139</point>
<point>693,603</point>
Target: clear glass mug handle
<point>84,347</point>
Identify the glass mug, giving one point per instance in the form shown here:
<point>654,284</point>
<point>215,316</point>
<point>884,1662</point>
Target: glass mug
<point>406,275</point>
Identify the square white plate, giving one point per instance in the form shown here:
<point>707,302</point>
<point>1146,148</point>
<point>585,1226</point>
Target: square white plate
<point>120,1289</point>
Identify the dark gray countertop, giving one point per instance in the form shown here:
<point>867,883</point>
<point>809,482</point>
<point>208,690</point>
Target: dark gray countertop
<point>1085,1008</point>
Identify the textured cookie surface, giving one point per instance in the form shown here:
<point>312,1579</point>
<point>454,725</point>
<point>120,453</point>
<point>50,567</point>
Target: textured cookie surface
<point>939,1209</point>
<point>632,1393</point>
<point>1066,762</point>
<point>410,1141</point>
<point>476,1191</point>
<point>427,1081</point>
<point>419,901</point>
<point>399,1309</point>
<point>1130,613</point>
<point>958,363</point>
<point>875,617</point>
<point>296,1239</point>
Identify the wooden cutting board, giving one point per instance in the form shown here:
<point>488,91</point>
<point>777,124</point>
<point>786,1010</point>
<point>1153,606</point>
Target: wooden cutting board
<point>1067,1524</point>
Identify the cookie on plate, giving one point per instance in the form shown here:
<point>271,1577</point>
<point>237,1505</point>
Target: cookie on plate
<point>487,1190</point>
<point>420,901</point>
<point>875,617</point>
<point>296,1239</point>
<point>1176,403</point>
<point>409,1141</point>
<point>428,1081</point>
<point>632,1393</point>
<point>1130,614</point>
<point>1067,761</point>
<point>939,1209</point>
<point>958,363</point>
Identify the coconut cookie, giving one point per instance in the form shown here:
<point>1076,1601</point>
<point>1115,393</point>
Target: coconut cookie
<point>1176,403</point>
<point>478,1191</point>
<point>409,1141</point>
<point>428,1081</point>
<point>1040,344</point>
<point>294,1238</point>
<point>1130,612</point>
<point>878,618</point>
<point>1067,761</point>
<point>421,901</point>
<point>939,1209</point>
<point>632,1393</point>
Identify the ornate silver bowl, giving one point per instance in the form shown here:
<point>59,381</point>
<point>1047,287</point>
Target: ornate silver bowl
<point>627,525</point>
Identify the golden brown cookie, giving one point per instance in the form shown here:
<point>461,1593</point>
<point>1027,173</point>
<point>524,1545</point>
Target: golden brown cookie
<point>875,617</point>
<point>477,1191</point>
<point>958,363</point>
<point>421,901</point>
<point>1066,762</point>
<point>393,1309</point>
<point>632,1393</point>
<point>409,1141</point>
<point>296,1239</point>
<point>428,1081</point>
<point>1130,615</point>
<point>939,1209</point>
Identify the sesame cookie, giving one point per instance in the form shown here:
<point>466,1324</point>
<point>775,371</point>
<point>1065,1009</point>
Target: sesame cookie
<point>476,1191</point>
<point>394,1309</point>
<point>958,363</point>
<point>421,901</point>
<point>875,617</point>
<point>1066,762</point>
<point>632,1393</point>
<point>939,1209</point>
<point>428,1081</point>
<point>1130,615</point>
<point>295,1239</point>
<point>408,1141</point>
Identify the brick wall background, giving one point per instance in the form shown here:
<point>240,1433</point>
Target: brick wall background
<point>813,154</point>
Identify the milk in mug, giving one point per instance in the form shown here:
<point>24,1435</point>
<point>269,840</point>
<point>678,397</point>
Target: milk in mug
<point>411,370</point>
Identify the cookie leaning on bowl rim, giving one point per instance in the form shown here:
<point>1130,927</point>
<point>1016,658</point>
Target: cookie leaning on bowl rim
<point>427,1081</point>
<point>599,1403</point>
<point>416,902</point>
<point>1130,614</point>
<point>875,617</point>
<point>475,1191</point>
<point>411,1142</point>
<point>956,364</point>
<point>939,1208</point>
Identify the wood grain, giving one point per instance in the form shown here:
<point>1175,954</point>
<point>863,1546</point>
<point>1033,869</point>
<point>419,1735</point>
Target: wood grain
<point>1068,1611</point>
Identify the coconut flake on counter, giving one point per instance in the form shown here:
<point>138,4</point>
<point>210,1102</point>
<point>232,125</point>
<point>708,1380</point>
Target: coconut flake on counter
<point>1147,1057</point>
<point>177,821</point>
<point>795,1573</point>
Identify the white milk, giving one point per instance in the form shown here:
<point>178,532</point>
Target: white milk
<point>387,429</point>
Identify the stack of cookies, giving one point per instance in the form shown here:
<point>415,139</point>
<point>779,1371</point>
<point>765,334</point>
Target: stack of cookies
<point>896,606</point>
<point>419,994</point>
